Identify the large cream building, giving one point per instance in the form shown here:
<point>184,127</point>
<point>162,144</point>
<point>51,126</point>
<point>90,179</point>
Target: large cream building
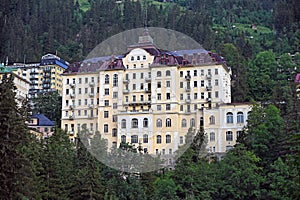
<point>153,97</point>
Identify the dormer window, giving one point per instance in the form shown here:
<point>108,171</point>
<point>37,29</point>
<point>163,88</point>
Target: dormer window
<point>144,57</point>
<point>138,57</point>
<point>132,58</point>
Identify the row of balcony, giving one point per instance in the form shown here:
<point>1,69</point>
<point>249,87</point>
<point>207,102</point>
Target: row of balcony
<point>72,117</point>
<point>73,106</point>
<point>126,91</point>
<point>91,84</point>
<point>188,77</point>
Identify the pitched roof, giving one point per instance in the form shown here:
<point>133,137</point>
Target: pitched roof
<point>43,120</point>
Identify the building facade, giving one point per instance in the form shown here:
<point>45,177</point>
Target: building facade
<point>45,76</point>
<point>152,97</point>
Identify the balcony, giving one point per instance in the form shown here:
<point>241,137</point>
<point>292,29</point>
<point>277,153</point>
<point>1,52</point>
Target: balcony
<point>208,99</point>
<point>187,89</point>
<point>208,76</point>
<point>72,85</point>
<point>91,94</point>
<point>71,117</point>
<point>92,84</point>
<point>90,116</point>
<point>72,95</point>
<point>188,100</point>
<point>125,91</point>
<point>91,105</point>
<point>147,90</point>
<point>71,133</point>
<point>72,106</point>
<point>148,79</point>
<point>188,111</point>
<point>91,132</point>
<point>188,77</point>
<point>126,81</point>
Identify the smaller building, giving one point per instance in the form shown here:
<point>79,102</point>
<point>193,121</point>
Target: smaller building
<point>42,124</point>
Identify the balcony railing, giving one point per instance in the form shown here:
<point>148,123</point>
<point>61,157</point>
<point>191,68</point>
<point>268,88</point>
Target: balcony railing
<point>208,99</point>
<point>72,95</point>
<point>126,81</point>
<point>187,89</point>
<point>72,106</point>
<point>92,84</point>
<point>125,91</point>
<point>91,94</point>
<point>72,84</point>
<point>148,79</point>
<point>188,100</point>
<point>188,77</point>
<point>208,76</point>
<point>209,87</point>
<point>147,90</point>
<point>71,116</point>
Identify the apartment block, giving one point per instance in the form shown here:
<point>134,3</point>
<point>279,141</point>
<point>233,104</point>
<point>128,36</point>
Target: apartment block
<point>152,97</point>
<point>44,76</point>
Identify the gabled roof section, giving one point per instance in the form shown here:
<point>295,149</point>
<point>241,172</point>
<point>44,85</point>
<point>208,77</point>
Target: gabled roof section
<point>43,120</point>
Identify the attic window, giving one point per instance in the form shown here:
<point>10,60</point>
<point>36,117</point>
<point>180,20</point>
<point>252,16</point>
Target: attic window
<point>144,57</point>
<point>138,57</point>
<point>132,58</point>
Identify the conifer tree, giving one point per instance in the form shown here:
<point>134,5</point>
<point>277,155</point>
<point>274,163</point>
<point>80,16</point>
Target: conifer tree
<point>15,170</point>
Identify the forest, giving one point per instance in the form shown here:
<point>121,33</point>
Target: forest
<point>260,41</point>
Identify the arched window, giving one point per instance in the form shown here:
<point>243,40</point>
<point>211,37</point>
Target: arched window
<point>158,139</point>
<point>106,80</point>
<point>229,136</point>
<point>158,74</point>
<point>115,80</point>
<point>145,122</point>
<point>123,139</point>
<point>158,123</point>
<point>168,122</point>
<point>212,120</point>
<point>123,123</point>
<point>192,122</point>
<point>229,118</point>
<point>168,73</point>
<point>132,58</point>
<point>212,136</point>
<point>114,132</point>
<point>240,117</point>
<point>145,138</point>
<point>238,134</point>
<point>168,138</point>
<point>134,139</point>
<point>134,123</point>
<point>183,123</point>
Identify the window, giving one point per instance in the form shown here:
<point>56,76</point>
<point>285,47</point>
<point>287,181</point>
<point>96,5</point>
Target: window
<point>168,122</point>
<point>134,139</point>
<point>158,139</point>
<point>216,82</point>
<point>216,94</point>
<point>192,122</point>
<point>142,86</point>
<point>123,123</point>
<point>181,96</point>
<point>115,80</point>
<point>168,96</point>
<point>86,80</point>
<point>134,86</point>
<point>138,58</point>
<point>106,91</point>
<point>85,101</point>
<point>80,80</point>
<point>202,83</point>
<point>106,102</point>
<point>239,133</point>
<point>181,84</point>
<point>79,90</point>
<point>168,138</point>
<point>85,90</point>
<point>195,83</point>
<point>106,80</point>
<point>229,136</point>
<point>195,72</point>
<point>181,107</point>
<point>123,139</point>
<point>168,106</point>
<point>115,95</point>
<point>105,128</point>
<point>195,95</point>
<point>158,96</point>
<point>79,112</point>
<point>183,123</point>
<point>145,138</point>
<point>212,137</point>
<point>144,57</point>
<point>202,95</point>
<point>159,84</point>
<point>132,58</point>
<point>228,148</point>
<point>212,120</point>
<point>163,151</point>
<point>240,117</point>
<point>216,71</point>
<point>158,123</point>
<point>115,105</point>
<point>145,122</point>
<point>181,74</point>
<point>134,76</point>
<point>105,114</point>
<point>114,118</point>
<point>114,132</point>
<point>133,98</point>
<point>158,74</point>
<point>170,152</point>
<point>168,73</point>
<point>168,84</point>
<point>158,107</point>
<point>134,123</point>
<point>181,139</point>
<point>229,118</point>
<point>142,97</point>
